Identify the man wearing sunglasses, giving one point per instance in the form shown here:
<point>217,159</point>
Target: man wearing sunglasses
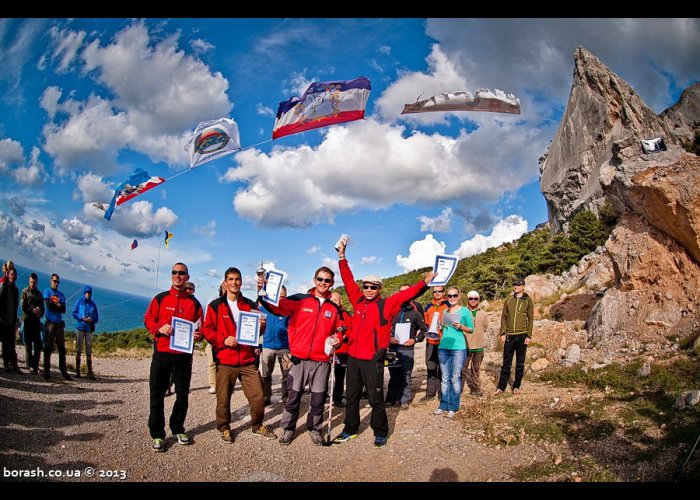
<point>432,363</point>
<point>313,318</point>
<point>368,341</point>
<point>166,363</point>
<point>54,328</point>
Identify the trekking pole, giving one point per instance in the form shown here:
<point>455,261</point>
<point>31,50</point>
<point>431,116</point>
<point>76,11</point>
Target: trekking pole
<point>330,400</point>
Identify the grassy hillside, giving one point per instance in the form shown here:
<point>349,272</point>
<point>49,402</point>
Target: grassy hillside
<point>492,272</point>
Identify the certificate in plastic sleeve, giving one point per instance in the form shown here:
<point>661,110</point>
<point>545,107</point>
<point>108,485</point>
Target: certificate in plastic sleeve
<point>248,332</point>
<point>182,338</point>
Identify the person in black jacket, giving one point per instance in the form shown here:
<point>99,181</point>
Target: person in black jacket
<point>408,318</point>
<point>9,300</point>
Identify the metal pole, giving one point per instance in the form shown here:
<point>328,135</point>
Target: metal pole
<point>330,398</point>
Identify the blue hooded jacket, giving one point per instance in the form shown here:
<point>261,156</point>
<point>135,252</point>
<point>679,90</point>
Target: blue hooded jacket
<point>86,308</point>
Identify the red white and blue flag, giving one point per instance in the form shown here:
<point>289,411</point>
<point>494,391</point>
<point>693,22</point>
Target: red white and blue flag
<point>323,104</point>
<point>138,182</point>
<point>213,139</point>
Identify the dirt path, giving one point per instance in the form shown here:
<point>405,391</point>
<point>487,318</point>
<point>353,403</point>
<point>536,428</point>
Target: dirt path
<point>69,426</point>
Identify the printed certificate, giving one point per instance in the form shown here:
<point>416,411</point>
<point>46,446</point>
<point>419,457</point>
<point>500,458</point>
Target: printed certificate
<point>182,338</point>
<point>445,266</point>
<point>273,287</point>
<point>402,332</point>
<point>248,328</point>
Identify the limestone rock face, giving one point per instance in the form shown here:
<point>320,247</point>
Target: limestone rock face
<point>602,110</point>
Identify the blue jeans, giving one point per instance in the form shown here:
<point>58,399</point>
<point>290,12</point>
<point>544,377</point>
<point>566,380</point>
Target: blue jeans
<point>451,363</point>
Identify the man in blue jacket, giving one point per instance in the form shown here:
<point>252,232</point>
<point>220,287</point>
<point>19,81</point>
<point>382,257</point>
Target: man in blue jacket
<point>85,312</point>
<point>54,328</point>
<point>275,346</point>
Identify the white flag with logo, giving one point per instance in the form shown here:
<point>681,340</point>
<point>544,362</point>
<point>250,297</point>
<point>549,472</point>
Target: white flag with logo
<point>213,139</point>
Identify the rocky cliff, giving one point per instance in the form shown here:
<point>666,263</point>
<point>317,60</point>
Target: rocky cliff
<point>651,260</point>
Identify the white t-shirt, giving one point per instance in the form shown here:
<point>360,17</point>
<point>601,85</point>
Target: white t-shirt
<point>234,310</point>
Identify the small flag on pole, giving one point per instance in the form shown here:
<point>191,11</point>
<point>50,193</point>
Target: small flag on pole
<point>167,238</point>
<point>134,244</point>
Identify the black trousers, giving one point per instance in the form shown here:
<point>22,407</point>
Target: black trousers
<point>54,334</point>
<point>514,344</point>
<point>32,341</point>
<point>9,354</point>
<point>365,373</point>
<point>163,366</point>
<point>432,364</point>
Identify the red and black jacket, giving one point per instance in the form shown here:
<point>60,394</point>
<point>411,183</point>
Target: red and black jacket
<point>219,324</point>
<point>371,324</point>
<point>346,322</point>
<point>164,306</point>
<point>310,323</point>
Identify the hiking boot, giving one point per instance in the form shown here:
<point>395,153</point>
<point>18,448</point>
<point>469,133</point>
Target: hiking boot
<point>47,376</point>
<point>212,390</point>
<point>316,437</point>
<point>158,445</point>
<point>183,439</point>
<point>287,437</point>
<point>404,406</point>
<point>226,435</point>
<point>66,376</point>
<point>344,437</point>
<point>91,375</point>
<point>439,411</point>
<point>338,404</point>
<point>379,441</point>
<point>263,432</point>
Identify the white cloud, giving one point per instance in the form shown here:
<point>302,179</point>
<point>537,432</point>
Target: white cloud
<point>314,249</point>
<point>78,232</point>
<point>213,273</point>
<point>138,219</point>
<point>514,54</point>
<point>263,110</point>
<point>200,46</point>
<point>159,93</point>
<point>420,168</point>
<point>91,188</point>
<point>384,50</point>
<point>369,260</point>
<point>440,224</point>
<point>421,253</point>
<point>506,230</point>
<point>442,76</point>
<point>208,229</point>
<point>17,38</point>
<point>297,84</point>
<point>17,205</point>
<point>67,44</point>
<point>11,153</point>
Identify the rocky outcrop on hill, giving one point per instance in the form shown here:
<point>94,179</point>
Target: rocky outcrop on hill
<point>602,110</point>
<point>643,288</point>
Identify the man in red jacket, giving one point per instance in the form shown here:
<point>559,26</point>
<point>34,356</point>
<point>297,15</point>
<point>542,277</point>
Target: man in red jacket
<point>234,359</point>
<point>313,319</point>
<point>368,341</point>
<point>167,363</point>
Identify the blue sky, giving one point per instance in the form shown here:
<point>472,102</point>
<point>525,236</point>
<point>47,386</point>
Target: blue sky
<point>85,101</point>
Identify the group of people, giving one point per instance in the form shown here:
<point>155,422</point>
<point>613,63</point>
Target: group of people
<point>309,334</point>
<point>38,336</point>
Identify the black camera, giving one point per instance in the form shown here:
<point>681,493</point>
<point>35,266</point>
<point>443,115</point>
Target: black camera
<point>391,360</point>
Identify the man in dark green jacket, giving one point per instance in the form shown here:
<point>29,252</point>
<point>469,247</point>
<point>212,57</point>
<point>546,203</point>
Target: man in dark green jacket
<point>516,332</point>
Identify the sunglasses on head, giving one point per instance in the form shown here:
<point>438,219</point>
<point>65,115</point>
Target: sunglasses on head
<point>452,295</point>
<point>370,287</point>
<point>178,273</point>
<point>324,280</point>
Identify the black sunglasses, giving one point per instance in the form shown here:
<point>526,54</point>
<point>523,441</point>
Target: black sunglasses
<point>370,287</point>
<point>438,291</point>
<point>324,280</point>
<point>178,273</point>
<point>452,295</point>
<point>55,281</point>
<point>473,298</point>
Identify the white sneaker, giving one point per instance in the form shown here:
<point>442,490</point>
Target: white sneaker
<point>438,412</point>
<point>212,390</point>
<point>450,414</point>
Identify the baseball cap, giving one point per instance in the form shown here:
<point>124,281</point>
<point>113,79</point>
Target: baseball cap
<point>372,278</point>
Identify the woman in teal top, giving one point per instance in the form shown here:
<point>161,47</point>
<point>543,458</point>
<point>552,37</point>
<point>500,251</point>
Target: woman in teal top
<point>452,352</point>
